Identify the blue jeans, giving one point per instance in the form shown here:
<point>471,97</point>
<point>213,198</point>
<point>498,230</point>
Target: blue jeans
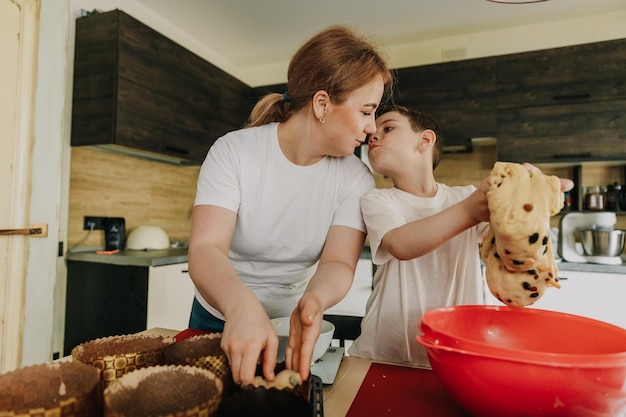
<point>203,320</point>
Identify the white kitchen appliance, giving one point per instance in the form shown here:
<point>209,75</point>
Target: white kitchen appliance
<point>147,238</point>
<point>327,366</point>
<point>570,249</point>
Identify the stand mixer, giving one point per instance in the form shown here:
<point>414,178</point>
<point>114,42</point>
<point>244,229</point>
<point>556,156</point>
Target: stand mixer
<point>571,250</point>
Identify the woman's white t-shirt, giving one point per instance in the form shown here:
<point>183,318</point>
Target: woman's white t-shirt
<point>284,211</point>
<point>404,290</point>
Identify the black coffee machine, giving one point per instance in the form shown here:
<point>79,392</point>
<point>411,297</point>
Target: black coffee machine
<point>114,233</point>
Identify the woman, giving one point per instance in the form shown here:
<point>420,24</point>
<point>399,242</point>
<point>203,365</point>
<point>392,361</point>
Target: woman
<point>277,228</point>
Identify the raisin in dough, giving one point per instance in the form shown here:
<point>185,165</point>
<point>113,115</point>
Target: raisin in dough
<point>517,289</point>
<point>520,205</point>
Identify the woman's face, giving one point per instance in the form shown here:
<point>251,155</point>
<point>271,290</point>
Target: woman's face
<point>348,124</point>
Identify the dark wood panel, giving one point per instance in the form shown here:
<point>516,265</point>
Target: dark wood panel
<point>460,96</point>
<point>135,87</point>
<point>152,121</point>
<point>104,300</point>
<point>150,59</point>
<point>590,131</point>
<point>94,80</point>
<point>589,72</point>
<point>235,106</point>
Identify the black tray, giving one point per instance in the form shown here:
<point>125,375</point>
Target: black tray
<point>262,402</point>
<point>316,396</point>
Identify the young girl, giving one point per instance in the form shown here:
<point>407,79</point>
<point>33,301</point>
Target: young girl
<point>412,277</point>
<point>424,237</point>
<point>277,228</point>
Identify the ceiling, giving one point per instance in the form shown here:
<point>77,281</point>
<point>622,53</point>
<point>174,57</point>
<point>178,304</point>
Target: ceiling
<point>250,33</point>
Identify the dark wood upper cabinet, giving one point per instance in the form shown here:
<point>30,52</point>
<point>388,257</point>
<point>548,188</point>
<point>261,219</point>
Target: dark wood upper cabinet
<point>588,131</point>
<point>136,90</point>
<point>573,74</point>
<point>563,105</point>
<point>460,96</point>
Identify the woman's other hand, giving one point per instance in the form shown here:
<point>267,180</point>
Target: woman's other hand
<point>249,337</point>
<point>304,329</point>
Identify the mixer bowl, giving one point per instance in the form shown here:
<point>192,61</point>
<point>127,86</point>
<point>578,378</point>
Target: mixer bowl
<point>602,242</point>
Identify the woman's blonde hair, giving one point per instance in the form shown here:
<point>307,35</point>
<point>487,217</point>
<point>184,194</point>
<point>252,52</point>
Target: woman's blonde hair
<point>336,60</point>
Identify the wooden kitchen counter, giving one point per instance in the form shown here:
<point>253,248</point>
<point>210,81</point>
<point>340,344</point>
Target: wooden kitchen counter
<point>339,396</point>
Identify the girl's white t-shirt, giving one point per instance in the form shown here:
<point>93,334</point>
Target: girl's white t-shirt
<point>404,290</point>
<point>284,211</point>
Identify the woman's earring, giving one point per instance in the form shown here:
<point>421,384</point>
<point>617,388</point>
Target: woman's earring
<point>322,120</point>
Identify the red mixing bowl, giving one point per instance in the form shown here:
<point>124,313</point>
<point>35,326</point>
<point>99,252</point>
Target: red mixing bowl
<point>498,361</point>
<point>490,386</point>
<point>540,335</point>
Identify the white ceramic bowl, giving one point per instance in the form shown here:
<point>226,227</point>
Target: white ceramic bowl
<point>281,325</point>
<point>147,237</point>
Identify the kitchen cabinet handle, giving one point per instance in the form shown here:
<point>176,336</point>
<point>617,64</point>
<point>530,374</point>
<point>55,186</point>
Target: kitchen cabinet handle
<point>35,230</point>
<point>572,96</point>
<point>185,271</point>
<point>562,278</point>
<point>572,155</point>
<point>177,150</point>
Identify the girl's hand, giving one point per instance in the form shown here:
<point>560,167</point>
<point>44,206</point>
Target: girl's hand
<point>566,184</point>
<point>477,201</point>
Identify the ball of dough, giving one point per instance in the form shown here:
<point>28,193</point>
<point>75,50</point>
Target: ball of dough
<point>521,203</point>
<point>286,379</point>
<point>514,288</point>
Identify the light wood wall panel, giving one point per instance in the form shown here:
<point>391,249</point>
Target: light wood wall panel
<point>142,191</point>
<point>148,192</point>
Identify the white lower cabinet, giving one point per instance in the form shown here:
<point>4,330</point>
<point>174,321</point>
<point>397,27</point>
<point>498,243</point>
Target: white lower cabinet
<point>170,296</point>
<point>171,292</point>
<point>599,296</point>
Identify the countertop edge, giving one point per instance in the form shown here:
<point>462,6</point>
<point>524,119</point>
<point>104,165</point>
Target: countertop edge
<point>179,255</point>
<point>134,258</point>
<point>589,267</point>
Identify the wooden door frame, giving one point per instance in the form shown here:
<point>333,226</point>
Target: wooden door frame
<point>13,274</point>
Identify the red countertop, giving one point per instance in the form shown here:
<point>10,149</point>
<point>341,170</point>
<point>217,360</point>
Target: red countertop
<point>396,391</point>
<point>364,389</point>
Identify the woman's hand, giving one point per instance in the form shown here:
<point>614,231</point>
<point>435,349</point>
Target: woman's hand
<point>330,283</point>
<point>249,336</point>
<point>304,329</point>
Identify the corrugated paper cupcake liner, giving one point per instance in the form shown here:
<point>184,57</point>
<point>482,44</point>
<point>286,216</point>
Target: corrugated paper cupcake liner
<point>57,389</point>
<point>116,356</point>
<point>203,351</point>
<point>164,391</point>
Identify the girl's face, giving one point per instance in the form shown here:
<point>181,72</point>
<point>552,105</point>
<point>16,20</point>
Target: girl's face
<point>393,142</point>
<point>348,123</point>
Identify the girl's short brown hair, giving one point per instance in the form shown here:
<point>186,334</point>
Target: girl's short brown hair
<point>336,60</point>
